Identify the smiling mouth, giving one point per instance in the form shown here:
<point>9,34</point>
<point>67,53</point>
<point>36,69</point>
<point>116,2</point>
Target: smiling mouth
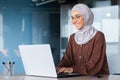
<point>76,25</point>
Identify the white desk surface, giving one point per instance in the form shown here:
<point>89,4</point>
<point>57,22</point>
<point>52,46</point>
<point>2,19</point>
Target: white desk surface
<point>105,77</point>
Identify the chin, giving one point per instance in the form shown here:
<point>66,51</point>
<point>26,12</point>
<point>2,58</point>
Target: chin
<point>78,27</point>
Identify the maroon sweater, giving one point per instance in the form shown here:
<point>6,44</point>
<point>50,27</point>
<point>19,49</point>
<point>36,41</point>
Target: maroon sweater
<point>86,59</point>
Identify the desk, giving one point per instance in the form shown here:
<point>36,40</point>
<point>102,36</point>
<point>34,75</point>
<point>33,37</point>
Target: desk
<point>106,77</point>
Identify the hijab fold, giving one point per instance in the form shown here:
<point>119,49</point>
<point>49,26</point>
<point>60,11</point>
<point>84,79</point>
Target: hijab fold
<point>87,32</point>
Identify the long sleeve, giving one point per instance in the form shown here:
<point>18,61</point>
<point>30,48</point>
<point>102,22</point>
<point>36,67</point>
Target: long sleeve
<point>96,62</point>
<point>67,59</point>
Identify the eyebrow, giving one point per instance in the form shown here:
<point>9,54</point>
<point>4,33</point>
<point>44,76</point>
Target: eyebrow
<point>76,15</point>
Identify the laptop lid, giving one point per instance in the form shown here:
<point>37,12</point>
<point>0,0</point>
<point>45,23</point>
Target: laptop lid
<point>37,60</point>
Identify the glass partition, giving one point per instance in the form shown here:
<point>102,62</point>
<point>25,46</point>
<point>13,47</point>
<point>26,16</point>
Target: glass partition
<point>25,23</point>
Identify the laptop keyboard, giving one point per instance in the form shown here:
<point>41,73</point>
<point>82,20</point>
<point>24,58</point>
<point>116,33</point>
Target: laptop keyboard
<point>67,74</point>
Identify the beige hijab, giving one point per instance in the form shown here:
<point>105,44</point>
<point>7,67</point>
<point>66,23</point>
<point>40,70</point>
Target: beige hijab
<point>86,33</point>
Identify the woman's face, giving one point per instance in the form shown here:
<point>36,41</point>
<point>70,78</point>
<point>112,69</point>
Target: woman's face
<point>77,19</point>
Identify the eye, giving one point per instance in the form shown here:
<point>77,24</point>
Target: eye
<point>72,17</point>
<point>77,16</point>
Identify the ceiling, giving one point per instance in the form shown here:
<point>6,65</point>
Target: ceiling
<point>27,4</point>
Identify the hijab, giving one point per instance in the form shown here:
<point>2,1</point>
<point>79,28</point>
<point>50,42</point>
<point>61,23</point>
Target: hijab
<point>87,32</point>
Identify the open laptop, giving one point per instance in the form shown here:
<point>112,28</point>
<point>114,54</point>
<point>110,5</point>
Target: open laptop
<point>38,61</point>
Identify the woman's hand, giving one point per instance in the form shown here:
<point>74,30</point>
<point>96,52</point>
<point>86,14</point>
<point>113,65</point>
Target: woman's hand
<point>65,70</point>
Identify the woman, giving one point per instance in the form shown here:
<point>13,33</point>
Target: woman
<point>86,51</point>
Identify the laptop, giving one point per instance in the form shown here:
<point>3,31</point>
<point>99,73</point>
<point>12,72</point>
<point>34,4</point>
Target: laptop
<point>38,61</point>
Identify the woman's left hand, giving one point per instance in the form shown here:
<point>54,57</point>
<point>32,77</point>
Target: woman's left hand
<point>65,70</point>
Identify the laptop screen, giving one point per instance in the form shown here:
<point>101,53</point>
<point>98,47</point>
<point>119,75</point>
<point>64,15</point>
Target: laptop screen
<point>37,60</point>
